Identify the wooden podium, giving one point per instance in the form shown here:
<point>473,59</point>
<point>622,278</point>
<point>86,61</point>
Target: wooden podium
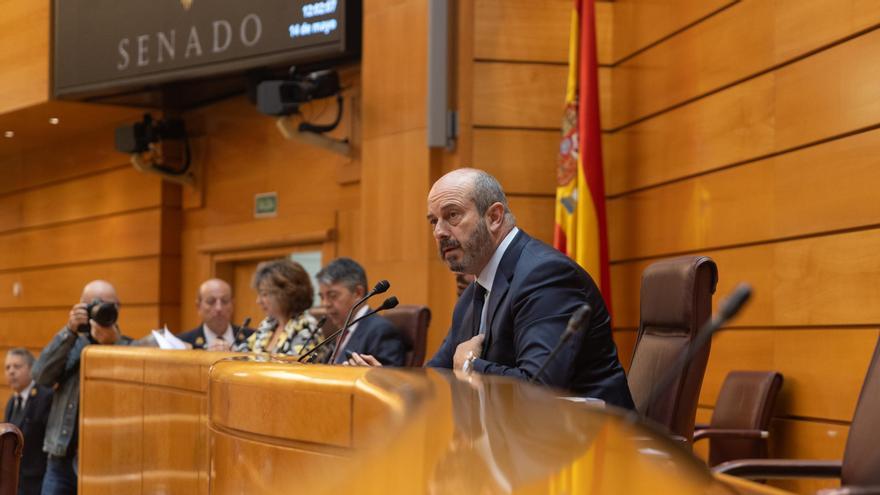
<point>194,422</point>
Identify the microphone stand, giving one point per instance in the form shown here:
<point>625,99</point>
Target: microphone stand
<point>380,287</point>
<point>387,304</point>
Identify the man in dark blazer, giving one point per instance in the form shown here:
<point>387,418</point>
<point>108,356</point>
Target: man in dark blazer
<point>28,409</point>
<point>341,284</point>
<point>216,333</point>
<point>508,321</point>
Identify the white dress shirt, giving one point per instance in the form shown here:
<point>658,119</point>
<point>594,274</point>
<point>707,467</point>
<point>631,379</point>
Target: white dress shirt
<point>487,276</point>
<point>211,337</point>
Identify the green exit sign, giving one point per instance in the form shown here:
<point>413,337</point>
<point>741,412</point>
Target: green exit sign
<point>266,205</point>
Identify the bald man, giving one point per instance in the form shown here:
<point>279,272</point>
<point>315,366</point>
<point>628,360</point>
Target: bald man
<point>216,333</point>
<point>510,318</point>
<point>58,365</point>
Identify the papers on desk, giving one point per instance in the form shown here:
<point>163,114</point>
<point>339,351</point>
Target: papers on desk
<point>167,340</point>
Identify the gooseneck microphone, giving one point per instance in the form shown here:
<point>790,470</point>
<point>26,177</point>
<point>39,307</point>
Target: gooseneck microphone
<point>245,323</point>
<point>578,320</point>
<point>727,309</point>
<point>380,287</point>
<point>387,304</point>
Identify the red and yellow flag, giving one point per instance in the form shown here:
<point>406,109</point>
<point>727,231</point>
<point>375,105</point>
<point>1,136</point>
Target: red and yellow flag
<point>580,194</point>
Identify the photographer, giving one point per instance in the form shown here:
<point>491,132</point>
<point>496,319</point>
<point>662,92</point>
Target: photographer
<point>92,321</point>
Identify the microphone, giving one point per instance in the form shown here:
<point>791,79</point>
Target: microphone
<point>246,322</point>
<point>727,309</point>
<point>578,320</point>
<point>387,304</point>
<point>314,334</point>
<point>380,287</point>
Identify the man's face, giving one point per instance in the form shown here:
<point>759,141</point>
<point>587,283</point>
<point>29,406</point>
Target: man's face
<point>18,373</point>
<point>337,299</point>
<point>215,305</point>
<point>462,235</point>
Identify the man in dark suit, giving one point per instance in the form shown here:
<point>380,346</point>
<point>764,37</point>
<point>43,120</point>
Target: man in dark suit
<point>341,284</point>
<point>508,321</point>
<point>216,333</point>
<point>28,409</point>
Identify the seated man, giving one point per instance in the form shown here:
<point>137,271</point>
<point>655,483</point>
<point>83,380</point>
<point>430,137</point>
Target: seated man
<point>341,284</point>
<point>28,409</point>
<point>216,333</point>
<point>508,320</point>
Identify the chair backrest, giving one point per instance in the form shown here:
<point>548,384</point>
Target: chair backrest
<point>861,459</point>
<point>676,300</point>
<point>412,321</point>
<point>745,402</point>
<point>11,443</point>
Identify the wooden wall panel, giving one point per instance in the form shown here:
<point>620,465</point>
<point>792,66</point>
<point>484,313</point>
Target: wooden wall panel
<point>828,281</point>
<point>122,236</point>
<point>135,281</point>
<point>519,95</point>
<point>823,368</point>
<point>24,32</point>
<point>756,34</point>
<point>825,95</point>
<point>535,215</point>
<point>247,155</point>
<point>788,196</point>
<point>34,328</point>
<point>640,23</point>
<point>394,92</point>
<point>115,191</point>
<point>523,161</point>
<point>522,30</point>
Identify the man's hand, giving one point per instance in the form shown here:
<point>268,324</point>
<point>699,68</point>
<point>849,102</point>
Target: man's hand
<point>362,360</point>
<point>78,316</point>
<point>104,335</point>
<point>220,345</point>
<point>474,345</point>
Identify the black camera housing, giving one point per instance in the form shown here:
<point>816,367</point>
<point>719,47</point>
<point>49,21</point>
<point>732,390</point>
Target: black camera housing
<point>283,97</point>
<point>104,313</point>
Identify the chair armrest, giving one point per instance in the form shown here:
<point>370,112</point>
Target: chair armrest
<point>701,426</point>
<point>779,468</point>
<point>729,433</point>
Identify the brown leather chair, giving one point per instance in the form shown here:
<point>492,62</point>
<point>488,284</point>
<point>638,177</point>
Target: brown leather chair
<point>412,321</point>
<point>676,300</point>
<point>859,471</point>
<point>740,423</point>
<point>11,444</point>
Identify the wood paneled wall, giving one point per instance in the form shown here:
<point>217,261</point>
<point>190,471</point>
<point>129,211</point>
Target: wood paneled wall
<point>244,154</point>
<point>89,216</point>
<point>747,133</point>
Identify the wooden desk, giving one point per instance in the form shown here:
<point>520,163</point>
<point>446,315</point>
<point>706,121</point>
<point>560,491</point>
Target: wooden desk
<point>196,422</point>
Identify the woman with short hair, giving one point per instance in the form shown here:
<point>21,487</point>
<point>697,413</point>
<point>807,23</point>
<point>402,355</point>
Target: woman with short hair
<point>285,293</point>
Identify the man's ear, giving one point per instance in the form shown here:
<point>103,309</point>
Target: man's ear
<point>360,291</point>
<point>495,217</point>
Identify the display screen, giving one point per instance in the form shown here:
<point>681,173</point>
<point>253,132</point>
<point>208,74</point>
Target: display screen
<point>102,46</point>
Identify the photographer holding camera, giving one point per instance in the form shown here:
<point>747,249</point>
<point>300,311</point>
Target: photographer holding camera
<point>92,321</point>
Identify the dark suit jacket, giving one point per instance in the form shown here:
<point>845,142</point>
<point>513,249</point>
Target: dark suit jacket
<point>535,291</point>
<point>379,338</point>
<point>196,336</point>
<point>33,427</point>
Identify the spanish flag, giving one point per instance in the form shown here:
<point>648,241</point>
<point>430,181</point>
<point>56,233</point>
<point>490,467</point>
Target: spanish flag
<point>580,194</point>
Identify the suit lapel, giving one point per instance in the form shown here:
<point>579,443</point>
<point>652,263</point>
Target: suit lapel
<point>501,284</point>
